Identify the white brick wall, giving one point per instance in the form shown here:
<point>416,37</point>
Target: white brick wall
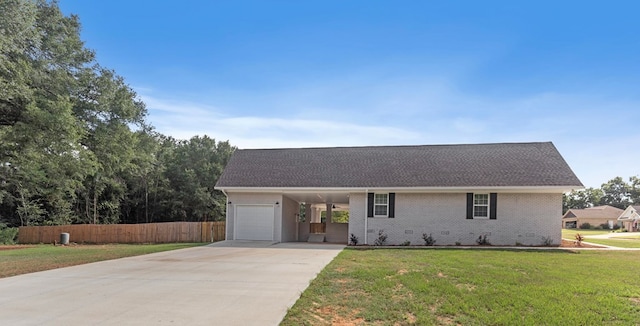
<point>521,218</point>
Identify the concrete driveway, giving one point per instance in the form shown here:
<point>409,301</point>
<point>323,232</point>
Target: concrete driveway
<point>228,283</point>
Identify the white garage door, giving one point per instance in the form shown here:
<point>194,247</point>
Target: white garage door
<point>254,222</point>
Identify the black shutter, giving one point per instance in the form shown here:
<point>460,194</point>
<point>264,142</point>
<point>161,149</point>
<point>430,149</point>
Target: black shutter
<point>493,203</point>
<point>469,206</point>
<point>392,204</point>
<point>370,204</point>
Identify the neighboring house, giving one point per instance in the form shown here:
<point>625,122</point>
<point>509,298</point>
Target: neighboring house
<point>630,219</point>
<point>510,192</point>
<point>595,216</point>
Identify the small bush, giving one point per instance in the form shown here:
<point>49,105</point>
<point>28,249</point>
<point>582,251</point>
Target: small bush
<point>482,240</point>
<point>458,243</point>
<point>585,226</point>
<point>428,239</point>
<point>518,244</point>
<point>547,241</point>
<point>605,226</point>
<point>8,235</point>
<point>616,226</point>
<point>381,240</point>
<point>406,243</point>
<point>353,240</point>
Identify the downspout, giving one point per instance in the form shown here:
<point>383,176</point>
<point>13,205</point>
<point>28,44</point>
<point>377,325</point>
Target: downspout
<point>366,218</point>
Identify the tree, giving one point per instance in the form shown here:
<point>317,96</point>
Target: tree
<point>193,170</point>
<point>580,199</point>
<point>634,189</point>
<point>43,159</point>
<point>616,193</point>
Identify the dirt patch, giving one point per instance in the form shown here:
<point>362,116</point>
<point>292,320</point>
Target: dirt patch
<point>441,275</point>
<point>445,320</point>
<point>573,244</point>
<point>635,300</point>
<point>14,247</point>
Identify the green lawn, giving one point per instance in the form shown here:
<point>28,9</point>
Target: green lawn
<point>473,287</point>
<point>571,233</point>
<point>616,242</point>
<point>620,240</point>
<point>43,257</point>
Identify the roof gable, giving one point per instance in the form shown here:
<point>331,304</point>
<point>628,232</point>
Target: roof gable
<point>474,165</point>
<point>597,212</point>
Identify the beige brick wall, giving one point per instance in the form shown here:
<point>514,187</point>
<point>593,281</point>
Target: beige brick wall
<point>521,218</point>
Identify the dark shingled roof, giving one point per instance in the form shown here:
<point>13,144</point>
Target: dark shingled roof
<point>476,165</point>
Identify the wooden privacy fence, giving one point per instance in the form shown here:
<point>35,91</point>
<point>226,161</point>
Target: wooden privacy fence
<point>126,233</point>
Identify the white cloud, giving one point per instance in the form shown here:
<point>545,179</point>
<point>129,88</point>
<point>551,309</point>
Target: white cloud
<point>595,134</point>
<point>184,121</point>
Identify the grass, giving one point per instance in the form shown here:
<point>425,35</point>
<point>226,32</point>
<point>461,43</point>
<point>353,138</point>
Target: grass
<point>473,287</point>
<point>44,257</point>
<point>616,242</point>
<point>621,240</point>
<point>571,233</point>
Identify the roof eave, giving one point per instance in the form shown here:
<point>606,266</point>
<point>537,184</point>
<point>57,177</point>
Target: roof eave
<point>505,189</point>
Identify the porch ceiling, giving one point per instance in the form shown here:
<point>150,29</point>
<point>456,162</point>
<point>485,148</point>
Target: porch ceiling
<point>319,197</point>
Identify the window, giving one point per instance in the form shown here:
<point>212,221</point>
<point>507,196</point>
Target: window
<point>480,205</point>
<point>381,205</point>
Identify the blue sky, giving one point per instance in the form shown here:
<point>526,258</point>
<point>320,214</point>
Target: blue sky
<point>265,74</point>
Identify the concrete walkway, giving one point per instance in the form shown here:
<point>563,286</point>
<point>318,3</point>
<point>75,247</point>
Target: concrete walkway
<point>228,283</point>
<point>613,235</point>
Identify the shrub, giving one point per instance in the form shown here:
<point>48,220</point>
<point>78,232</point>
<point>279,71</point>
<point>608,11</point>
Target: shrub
<point>428,239</point>
<point>482,240</point>
<point>547,241</point>
<point>7,235</point>
<point>381,240</point>
<point>605,226</point>
<point>353,240</point>
<point>616,226</point>
<point>585,226</point>
<point>458,243</point>
<point>406,243</point>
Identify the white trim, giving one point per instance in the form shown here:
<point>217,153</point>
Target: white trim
<point>366,217</point>
<point>386,214</point>
<point>510,189</point>
<point>488,207</point>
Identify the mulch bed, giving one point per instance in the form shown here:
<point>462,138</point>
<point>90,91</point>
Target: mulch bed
<point>572,244</point>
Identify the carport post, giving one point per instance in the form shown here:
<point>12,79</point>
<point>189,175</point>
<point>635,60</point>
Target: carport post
<point>366,219</point>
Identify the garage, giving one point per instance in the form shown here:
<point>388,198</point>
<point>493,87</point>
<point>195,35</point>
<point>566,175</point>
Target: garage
<point>254,222</point>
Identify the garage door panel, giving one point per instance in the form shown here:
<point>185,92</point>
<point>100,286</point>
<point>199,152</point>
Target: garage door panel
<point>254,222</point>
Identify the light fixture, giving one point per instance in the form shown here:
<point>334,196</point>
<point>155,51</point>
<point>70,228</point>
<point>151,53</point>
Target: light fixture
<point>229,203</point>
<point>334,206</point>
<point>277,203</point>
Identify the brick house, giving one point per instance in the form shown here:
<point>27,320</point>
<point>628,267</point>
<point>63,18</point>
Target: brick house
<point>630,218</point>
<point>595,216</point>
<point>510,192</point>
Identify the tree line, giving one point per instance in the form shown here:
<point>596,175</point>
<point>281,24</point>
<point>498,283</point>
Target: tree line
<point>615,192</point>
<point>74,143</point>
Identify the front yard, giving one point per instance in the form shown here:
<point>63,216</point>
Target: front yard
<point>622,240</point>
<point>22,259</point>
<point>473,287</point>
